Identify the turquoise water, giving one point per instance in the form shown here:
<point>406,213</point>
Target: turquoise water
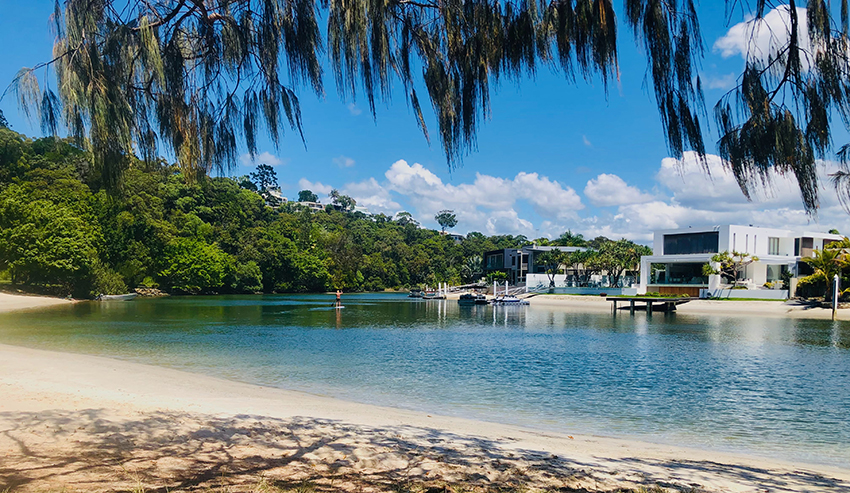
<point>763,386</point>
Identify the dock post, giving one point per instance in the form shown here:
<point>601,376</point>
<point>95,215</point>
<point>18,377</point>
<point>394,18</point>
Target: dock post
<point>615,306</point>
<point>631,307</point>
<point>648,308</point>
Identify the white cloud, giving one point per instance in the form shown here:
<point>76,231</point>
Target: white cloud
<point>761,39</point>
<point>549,198</point>
<point>720,82</point>
<point>343,161</point>
<point>586,141</point>
<point>262,158</point>
<point>684,195</point>
<point>609,190</point>
<point>703,196</point>
<point>486,197</point>
<point>353,109</point>
<point>695,183</point>
<point>372,195</point>
<point>316,187</point>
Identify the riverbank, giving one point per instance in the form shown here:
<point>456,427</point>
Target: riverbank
<point>742,308</point>
<point>85,423</point>
<point>12,302</point>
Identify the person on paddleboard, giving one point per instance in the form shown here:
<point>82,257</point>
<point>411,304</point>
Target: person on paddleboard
<point>338,298</point>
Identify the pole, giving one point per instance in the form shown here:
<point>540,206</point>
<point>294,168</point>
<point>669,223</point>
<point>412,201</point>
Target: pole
<point>835,291</point>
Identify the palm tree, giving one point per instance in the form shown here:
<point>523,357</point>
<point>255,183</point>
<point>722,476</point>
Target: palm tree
<point>827,264</point>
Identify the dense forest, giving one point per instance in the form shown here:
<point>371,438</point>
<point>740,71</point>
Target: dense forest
<point>64,232</point>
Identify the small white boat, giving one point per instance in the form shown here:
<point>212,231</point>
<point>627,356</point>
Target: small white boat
<point>116,297</point>
<point>510,301</point>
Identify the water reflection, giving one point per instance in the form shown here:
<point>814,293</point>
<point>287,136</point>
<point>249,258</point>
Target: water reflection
<point>774,386</point>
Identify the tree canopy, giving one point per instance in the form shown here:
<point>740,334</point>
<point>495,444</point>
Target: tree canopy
<point>307,196</point>
<point>446,219</point>
<point>201,78</point>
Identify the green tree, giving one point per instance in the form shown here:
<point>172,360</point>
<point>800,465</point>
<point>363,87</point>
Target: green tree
<point>307,196</point>
<point>730,265</point>
<point>472,269</point>
<point>194,266</point>
<point>827,264</point>
<point>405,218</point>
<point>584,263</point>
<point>3,122</point>
<point>345,202</point>
<point>266,180</point>
<point>618,257</point>
<point>43,244</point>
<point>446,219</point>
<point>497,276</point>
<point>551,261</point>
<point>568,238</point>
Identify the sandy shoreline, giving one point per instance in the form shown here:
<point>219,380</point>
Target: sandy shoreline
<point>91,423</point>
<point>12,302</point>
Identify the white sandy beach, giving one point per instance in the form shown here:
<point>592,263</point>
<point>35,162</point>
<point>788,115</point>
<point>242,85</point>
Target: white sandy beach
<point>75,422</point>
<point>10,302</point>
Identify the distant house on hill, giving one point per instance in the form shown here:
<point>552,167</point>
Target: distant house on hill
<point>676,265</point>
<point>313,206</point>
<point>274,197</point>
<point>517,263</point>
<point>456,237</point>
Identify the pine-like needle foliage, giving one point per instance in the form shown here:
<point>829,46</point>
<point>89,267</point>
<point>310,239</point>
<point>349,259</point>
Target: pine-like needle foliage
<point>201,77</point>
<point>777,120</point>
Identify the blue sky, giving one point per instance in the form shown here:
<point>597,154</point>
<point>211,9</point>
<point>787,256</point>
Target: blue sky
<point>554,155</point>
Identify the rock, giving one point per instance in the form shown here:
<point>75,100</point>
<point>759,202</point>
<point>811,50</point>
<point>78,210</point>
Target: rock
<point>149,292</point>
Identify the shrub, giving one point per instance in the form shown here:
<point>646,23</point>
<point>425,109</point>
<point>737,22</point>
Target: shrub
<point>247,278</point>
<point>106,281</point>
<point>194,266</point>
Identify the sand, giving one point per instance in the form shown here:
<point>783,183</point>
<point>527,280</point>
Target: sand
<point>10,302</point>
<point>85,423</point>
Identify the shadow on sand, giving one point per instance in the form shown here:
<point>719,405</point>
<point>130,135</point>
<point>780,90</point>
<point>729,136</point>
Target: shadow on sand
<point>168,451</point>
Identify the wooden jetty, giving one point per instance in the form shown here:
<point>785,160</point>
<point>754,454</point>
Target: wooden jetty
<point>668,305</point>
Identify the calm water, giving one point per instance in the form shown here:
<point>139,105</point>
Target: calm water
<point>756,385</point>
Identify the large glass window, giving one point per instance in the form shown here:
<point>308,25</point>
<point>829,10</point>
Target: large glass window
<point>773,246</point>
<point>690,243</point>
<point>496,261</point>
<point>689,273</point>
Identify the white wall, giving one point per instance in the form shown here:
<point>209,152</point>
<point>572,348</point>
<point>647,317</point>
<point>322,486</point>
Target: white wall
<point>755,241</point>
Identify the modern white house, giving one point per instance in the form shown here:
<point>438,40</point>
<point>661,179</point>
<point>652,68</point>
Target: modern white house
<point>676,265</point>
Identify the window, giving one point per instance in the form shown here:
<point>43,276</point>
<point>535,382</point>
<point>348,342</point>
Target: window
<point>496,261</point>
<point>690,243</point>
<point>773,246</point>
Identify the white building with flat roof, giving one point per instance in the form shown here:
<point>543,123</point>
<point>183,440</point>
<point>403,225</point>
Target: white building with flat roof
<point>676,265</point>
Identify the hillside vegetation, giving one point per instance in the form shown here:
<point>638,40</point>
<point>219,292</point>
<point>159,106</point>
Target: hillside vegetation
<point>62,232</point>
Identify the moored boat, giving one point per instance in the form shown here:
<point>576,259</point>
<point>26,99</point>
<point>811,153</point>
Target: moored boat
<point>116,297</point>
<point>469,299</point>
<point>509,301</point>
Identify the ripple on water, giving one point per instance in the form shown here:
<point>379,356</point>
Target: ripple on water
<point>767,386</point>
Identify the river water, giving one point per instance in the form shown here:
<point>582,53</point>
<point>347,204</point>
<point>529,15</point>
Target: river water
<point>763,386</point>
